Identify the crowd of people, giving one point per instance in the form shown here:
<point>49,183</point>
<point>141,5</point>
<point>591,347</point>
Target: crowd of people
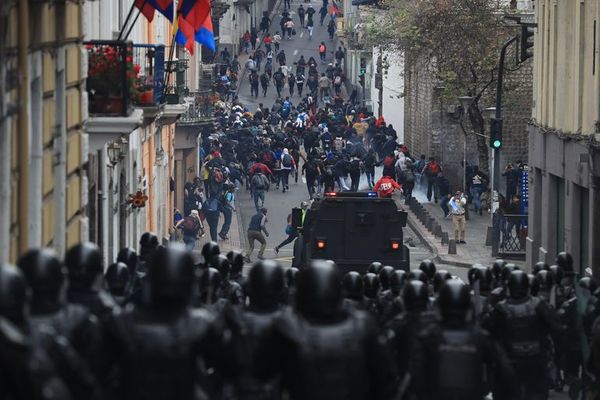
<point>157,325</point>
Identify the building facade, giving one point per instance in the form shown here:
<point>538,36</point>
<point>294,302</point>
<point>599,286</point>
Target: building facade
<point>43,154</point>
<point>564,135</point>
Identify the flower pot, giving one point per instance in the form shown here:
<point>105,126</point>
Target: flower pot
<point>107,105</point>
<point>146,98</point>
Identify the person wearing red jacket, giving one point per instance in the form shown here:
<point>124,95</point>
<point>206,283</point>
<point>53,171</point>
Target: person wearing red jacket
<point>262,167</point>
<point>386,186</point>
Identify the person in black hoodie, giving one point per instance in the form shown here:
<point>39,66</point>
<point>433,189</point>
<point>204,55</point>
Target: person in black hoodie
<point>370,162</point>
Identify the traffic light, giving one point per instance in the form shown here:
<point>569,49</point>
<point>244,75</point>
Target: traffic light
<point>527,33</point>
<point>363,71</point>
<point>496,133</point>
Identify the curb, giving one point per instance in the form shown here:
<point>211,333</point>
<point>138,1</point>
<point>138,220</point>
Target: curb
<point>437,258</point>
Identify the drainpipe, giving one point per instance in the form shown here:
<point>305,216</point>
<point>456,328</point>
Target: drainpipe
<point>23,125</point>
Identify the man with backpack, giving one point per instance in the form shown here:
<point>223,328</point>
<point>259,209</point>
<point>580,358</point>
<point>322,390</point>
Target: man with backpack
<point>259,185</point>
<point>191,227</point>
<point>301,14</point>
<point>431,171</point>
<point>287,165</point>
<point>339,56</point>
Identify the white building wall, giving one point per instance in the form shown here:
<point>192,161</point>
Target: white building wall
<point>393,91</point>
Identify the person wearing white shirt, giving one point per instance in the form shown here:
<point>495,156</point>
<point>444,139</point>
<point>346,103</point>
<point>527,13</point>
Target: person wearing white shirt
<point>457,210</point>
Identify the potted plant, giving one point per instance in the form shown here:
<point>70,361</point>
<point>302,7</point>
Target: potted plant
<point>107,66</point>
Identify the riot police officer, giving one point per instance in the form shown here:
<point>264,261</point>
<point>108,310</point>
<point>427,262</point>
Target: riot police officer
<point>117,281</point>
<point>402,330</point>
<point>148,245</point>
<point>84,269</point>
<point>352,285</point>
<point>158,347</point>
<point>454,359</point>
<point>265,288</point>
<point>324,351</point>
<point>134,284</point>
<point>522,323</point>
<point>236,259</point>
<point>230,290</point>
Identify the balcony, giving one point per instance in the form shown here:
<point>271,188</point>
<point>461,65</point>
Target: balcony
<point>110,82</point>
<point>149,70</point>
<point>200,109</point>
<point>111,88</point>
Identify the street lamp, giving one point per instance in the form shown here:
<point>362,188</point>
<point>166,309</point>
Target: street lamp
<point>465,103</point>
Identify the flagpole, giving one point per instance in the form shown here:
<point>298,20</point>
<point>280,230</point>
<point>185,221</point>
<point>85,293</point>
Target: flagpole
<point>172,48</point>
<point>128,17</point>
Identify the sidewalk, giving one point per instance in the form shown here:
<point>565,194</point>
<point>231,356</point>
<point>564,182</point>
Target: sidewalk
<point>473,252</point>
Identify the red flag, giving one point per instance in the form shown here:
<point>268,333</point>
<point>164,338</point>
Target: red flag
<point>146,7</point>
<point>194,12</point>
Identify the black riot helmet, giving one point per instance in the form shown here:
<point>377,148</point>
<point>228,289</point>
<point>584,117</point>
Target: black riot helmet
<point>483,275</point>
<point>236,259</point>
<point>545,280</point>
<point>518,285</point>
<point>558,273</point>
<point>417,275</point>
<point>209,250</point>
<point>290,277</point>
<point>416,296</point>
<point>84,265</point>
<point>439,278</point>
<point>497,268</point>
<point>428,267</point>
<point>210,280</point>
<point>454,301</point>
<point>384,277</point>
<point>506,271</point>
<point>13,294</point>
<point>319,291</point>
<point>221,264</point>
<point>588,283</point>
<point>540,266</point>
<point>352,283</point>
<point>116,278</point>
<point>565,260</point>
<point>171,276</point>
<point>397,281</point>
<point>129,257</point>
<point>375,267</point>
<point>265,285</point>
<point>148,245</point>
<point>371,285</point>
<point>44,275</point>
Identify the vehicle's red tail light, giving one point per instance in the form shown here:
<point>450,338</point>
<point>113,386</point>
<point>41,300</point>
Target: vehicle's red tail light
<point>395,245</point>
<point>321,244</point>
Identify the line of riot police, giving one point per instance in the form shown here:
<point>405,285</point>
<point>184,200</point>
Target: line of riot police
<point>155,325</point>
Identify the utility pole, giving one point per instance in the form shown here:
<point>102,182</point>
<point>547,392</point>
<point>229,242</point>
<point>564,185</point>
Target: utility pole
<point>497,124</point>
<point>23,125</point>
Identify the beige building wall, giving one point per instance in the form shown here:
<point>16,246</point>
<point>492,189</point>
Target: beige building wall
<point>55,211</point>
<point>564,176</point>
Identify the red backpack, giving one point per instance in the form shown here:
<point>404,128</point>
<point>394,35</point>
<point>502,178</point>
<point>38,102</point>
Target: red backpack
<point>434,168</point>
<point>388,162</point>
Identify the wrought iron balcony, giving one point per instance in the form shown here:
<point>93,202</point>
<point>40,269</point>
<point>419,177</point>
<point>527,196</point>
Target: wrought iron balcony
<point>111,83</point>
<point>149,70</point>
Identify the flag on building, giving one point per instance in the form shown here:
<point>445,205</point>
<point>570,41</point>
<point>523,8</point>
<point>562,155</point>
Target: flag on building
<point>205,35</point>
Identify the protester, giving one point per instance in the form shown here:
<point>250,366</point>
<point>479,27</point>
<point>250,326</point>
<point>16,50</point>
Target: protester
<point>457,210</point>
<point>256,228</point>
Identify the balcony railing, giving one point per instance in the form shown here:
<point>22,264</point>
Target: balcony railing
<point>513,231</point>
<point>177,86</point>
<point>149,68</point>
<point>111,77</point>
<point>201,107</point>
